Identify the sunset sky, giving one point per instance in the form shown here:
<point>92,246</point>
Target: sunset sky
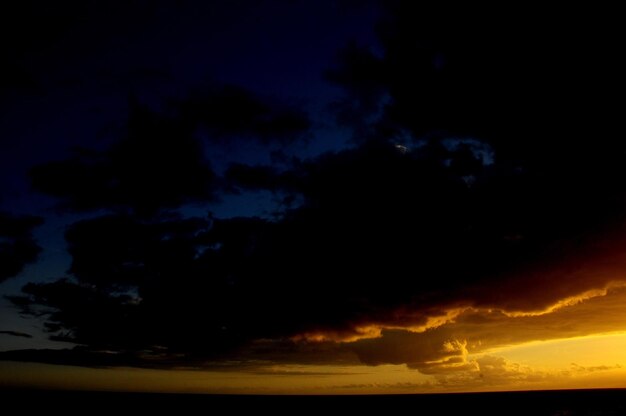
<point>310,197</point>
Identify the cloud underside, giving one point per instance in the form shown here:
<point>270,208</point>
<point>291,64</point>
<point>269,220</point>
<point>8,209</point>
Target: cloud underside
<point>460,218</point>
<point>443,350</point>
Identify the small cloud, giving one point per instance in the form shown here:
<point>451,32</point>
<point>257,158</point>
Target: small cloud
<point>493,371</point>
<point>594,369</point>
<point>16,334</point>
<point>407,386</point>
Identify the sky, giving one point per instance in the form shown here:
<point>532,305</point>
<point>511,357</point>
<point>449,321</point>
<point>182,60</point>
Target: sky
<point>294,197</point>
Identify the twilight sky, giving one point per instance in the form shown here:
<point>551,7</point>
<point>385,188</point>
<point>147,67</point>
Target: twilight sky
<point>310,197</point>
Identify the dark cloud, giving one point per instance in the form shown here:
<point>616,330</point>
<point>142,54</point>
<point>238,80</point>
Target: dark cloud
<point>158,165</point>
<point>16,334</point>
<point>371,245</point>
<point>254,177</point>
<point>77,357</point>
<point>17,245</point>
<point>261,358</point>
<point>362,74</point>
<point>161,163</point>
<point>483,181</point>
<point>428,354</point>
<point>232,112</point>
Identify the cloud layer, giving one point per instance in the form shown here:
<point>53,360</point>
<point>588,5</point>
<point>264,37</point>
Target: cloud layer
<point>466,214</point>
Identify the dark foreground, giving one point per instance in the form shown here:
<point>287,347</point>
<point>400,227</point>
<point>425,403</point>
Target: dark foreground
<point>553,403</point>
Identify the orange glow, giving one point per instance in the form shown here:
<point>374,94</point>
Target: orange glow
<point>375,330</point>
<point>569,301</point>
<point>578,342</point>
<point>565,363</point>
<point>362,332</point>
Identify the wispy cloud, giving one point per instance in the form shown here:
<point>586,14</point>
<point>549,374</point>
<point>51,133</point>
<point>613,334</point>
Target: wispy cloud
<point>16,334</point>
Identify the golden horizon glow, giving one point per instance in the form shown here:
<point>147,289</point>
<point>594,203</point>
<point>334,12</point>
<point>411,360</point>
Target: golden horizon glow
<point>536,365</point>
<point>578,342</point>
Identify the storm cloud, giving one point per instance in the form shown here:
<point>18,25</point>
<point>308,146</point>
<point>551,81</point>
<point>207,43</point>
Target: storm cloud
<point>467,211</point>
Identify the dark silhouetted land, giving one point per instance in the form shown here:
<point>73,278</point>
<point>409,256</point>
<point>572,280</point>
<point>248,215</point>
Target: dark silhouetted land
<point>536,403</point>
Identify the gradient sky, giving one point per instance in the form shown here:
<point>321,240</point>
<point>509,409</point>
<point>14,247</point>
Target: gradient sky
<point>328,197</point>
